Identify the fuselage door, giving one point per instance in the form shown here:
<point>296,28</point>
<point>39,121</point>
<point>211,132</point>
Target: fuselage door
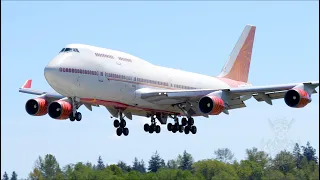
<point>100,74</point>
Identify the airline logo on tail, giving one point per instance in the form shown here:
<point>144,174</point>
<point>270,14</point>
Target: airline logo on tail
<point>238,65</point>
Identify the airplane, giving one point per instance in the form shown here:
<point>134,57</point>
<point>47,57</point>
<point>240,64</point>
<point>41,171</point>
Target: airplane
<point>129,86</point>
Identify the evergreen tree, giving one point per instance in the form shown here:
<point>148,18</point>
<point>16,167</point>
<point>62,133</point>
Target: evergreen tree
<point>310,153</point>
<point>185,161</point>
<point>297,155</point>
<point>142,166</point>
<point>138,166</point>
<point>5,176</point>
<point>49,167</point>
<point>156,162</point>
<point>125,168</point>
<point>14,176</point>
<point>100,165</point>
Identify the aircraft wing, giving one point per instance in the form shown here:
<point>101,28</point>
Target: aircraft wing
<point>26,88</point>
<point>236,95</point>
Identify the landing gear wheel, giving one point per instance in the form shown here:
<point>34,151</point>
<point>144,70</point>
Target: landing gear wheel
<point>194,129</point>
<point>181,128</point>
<point>146,127</point>
<point>151,129</point>
<point>184,121</point>
<point>169,126</point>
<point>187,130</point>
<point>123,123</point>
<point>119,131</point>
<point>125,131</point>
<point>175,128</point>
<point>71,117</point>
<point>78,116</point>
<point>158,129</point>
<point>190,121</point>
<point>116,123</point>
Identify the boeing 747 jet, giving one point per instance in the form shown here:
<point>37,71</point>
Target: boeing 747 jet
<point>129,86</point>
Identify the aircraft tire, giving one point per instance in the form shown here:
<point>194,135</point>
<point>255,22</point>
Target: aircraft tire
<point>194,129</point>
<point>119,131</point>
<point>123,123</point>
<point>146,127</point>
<point>169,127</point>
<point>184,121</point>
<point>78,116</point>
<point>125,131</point>
<point>181,128</point>
<point>187,129</point>
<point>116,123</point>
<point>158,129</point>
<point>190,121</point>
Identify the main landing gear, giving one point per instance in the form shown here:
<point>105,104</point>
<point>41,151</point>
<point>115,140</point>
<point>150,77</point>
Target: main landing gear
<point>78,116</point>
<point>121,126</point>
<point>74,115</point>
<point>152,127</point>
<point>186,126</point>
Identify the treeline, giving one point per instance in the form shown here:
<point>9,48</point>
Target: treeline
<point>301,163</point>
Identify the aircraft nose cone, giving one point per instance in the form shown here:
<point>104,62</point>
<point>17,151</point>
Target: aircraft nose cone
<point>51,71</point>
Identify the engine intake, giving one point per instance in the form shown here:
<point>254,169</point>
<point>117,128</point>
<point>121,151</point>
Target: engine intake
<point>297,98</point>
<point>60,110</point>
<point>36,107</point>
<point>211,105</point>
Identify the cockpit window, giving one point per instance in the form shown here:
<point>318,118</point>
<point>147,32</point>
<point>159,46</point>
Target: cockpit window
<point>69,50</point>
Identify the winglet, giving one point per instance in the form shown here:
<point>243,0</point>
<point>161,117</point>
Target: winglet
<point>27,84</point>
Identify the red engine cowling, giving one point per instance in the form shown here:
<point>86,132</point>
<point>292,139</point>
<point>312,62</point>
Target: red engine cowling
<point>37,107</point>
<point>297,98</point>
<point>60,110</point>
<point>212,105</point>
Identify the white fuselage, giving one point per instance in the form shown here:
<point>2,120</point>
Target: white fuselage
<point>98,73</point>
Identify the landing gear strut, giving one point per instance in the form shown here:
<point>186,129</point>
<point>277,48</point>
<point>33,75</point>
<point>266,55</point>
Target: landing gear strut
<point>121,126</point>
<point>186,126</point>
<point>153,127</point>
<point>74,115</point>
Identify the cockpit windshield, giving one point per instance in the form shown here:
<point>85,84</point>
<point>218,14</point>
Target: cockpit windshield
<point>69,50</point>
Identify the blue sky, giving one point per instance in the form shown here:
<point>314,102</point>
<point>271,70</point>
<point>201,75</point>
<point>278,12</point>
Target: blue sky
<point>192,36</point>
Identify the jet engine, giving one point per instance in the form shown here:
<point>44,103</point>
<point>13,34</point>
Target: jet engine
<point>297,98</point>
<point>60,110</point>
<point>37,107</point>
<point>212,105</point>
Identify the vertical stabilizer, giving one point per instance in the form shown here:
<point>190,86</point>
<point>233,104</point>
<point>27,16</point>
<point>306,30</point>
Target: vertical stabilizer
<point>238,65</point>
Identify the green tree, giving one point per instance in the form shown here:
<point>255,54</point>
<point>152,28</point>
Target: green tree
<point>224,155</point>
<point>156,162</point>
<point>310,153</point>
<point>208,169</point>
<point>14,176</point>
<point>297,155</point>
<point>138,166</point>
<point>100,165</point>
<point>185,161</point>
<point>284,162</point>
<point>5,176</point>
<point>122,165</point>
<point>273,174</point>
<point>260,157</point>
<point>48,167</point>
<point>172,164</point>
<point>36,175</point>
<point>249,170</point>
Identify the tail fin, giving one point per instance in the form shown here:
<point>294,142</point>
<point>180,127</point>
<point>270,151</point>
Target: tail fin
<point>238,65</point>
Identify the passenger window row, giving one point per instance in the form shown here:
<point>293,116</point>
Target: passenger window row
<point>124,77</point>
<point>125,59</point>
<point>104,55</point>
